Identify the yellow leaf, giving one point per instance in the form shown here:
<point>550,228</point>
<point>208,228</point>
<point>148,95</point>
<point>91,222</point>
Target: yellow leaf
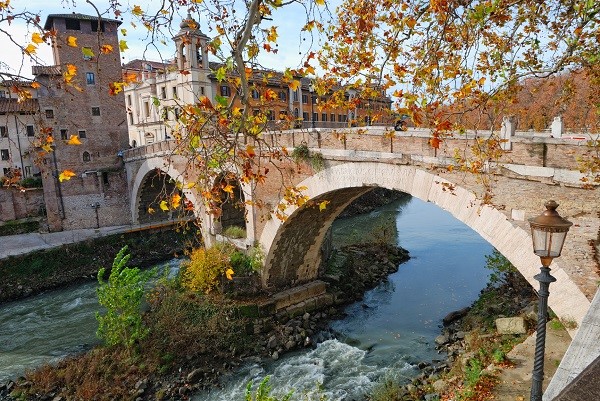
<point>36,38</point>
<point>151,210</point>
<point>105,49</point>
<point>294,85</point>
<point>272,34</point>
<point>35,85</point>
<point>87,52</point>
<point>47,148</point>
<point>189,185</point>
<point>176,201</point>
<point>228,188</point>
<point>66,175</point>
<point>163,206</point>
<point>137,10</point>
<point>229,273</point>
<point>250,151</point>
<point>323,205</point>
<point>72,41</point>
<point>30,49</point>
<point>74,140</point>
<point>123,45</point>
<point>320,2</point>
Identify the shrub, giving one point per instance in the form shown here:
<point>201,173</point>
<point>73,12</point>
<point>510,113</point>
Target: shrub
<point>263,392</point>
<point>234,232</point>
<point>122,297</point>
<point>205,269</point>
<point>31,182</point>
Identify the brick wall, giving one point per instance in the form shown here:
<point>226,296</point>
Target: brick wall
<point>16,204</point>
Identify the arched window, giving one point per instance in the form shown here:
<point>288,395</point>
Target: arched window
<point>86,157</point>
<point>133,143</point>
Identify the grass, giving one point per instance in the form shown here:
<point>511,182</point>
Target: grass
<point>234,232</point>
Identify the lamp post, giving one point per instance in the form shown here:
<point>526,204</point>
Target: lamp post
<point>548,231</point>
<point>311,89</point>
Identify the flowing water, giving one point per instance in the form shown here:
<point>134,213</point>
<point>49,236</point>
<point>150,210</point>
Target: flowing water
<point>393,328</point>
<point>386,334</point>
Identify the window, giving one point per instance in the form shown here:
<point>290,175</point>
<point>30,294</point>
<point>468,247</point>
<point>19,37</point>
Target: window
<point>30,130</point>
<point>4,155</point>
<point>87,53</point>
<point>95,111</point>
<point>323,117</point>
<point>304,98</point>
<point>163,92</point>
<point>270,115</point>
<point>27,171</point>
<point>2,94</point>
<point>296,113</point>
<point>90,78</point>
<point>130,118</point>
<point>49,113</point>
<point>305,116</point>
<point>95,26</point>
<point>128,100</point>
<point>282,96</point>
<point>72,24</point>
<point>315,116</point>
<point>202,90</point>
<point>295,96</point>
<point>177,113</point>
<point>6,171</point>
<point>105,178</point>
<point>3,132</point>
<point>332,117</point>
<point>174,92</point>
<point>81,133</point>
<point>225,91</point>
<point>255,94</point>
<point>86,157</point>
<point>146,109</point>
<point>63,134</point>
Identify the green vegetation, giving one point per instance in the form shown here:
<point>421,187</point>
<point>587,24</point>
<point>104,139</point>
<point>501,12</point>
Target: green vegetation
<point>263,392</point>
<point>122,296</point>
<point>234,232</point>
<point>206,269</point>
<point>16,227</point>
<point>301,153</point>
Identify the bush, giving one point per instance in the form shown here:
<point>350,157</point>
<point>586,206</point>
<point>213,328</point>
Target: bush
<point>31,182</point>
<point>234,232</point>
<point>205,269</point>
<point>122,297</point>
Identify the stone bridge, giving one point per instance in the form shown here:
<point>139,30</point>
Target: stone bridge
<point>534,168</point>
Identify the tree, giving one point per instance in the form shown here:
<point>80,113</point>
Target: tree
<point>441,59</point>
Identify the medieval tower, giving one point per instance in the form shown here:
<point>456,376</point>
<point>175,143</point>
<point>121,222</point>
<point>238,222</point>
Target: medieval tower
<point>83,106</point>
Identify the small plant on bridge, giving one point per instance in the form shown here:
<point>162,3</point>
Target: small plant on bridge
<point>302,153</point>
<point>122,296</point>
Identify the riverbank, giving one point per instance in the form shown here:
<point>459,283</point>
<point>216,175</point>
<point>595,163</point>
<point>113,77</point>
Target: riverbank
<point>42,270</point>
<point>194,340</point>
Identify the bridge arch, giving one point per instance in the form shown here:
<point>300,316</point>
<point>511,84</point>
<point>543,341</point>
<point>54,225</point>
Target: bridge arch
<point>146,170</point>
<point>293,247</point>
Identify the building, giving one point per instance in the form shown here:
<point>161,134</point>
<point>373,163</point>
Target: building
<point>17,131</point>
<point>97,194</point>
<point>154,102</point>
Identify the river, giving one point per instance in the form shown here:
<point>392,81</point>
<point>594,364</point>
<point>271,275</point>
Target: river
<point>386,334</point>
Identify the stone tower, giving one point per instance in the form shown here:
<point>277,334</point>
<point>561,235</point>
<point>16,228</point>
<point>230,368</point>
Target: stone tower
<point>192,57</point>
<point>97,195</point>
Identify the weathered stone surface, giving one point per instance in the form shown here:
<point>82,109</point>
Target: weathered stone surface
<point>511,325</point>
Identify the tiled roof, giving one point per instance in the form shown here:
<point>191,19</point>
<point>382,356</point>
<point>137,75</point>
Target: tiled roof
<point>8,106</point>
<point>46,70</point>
<point>81,17</point>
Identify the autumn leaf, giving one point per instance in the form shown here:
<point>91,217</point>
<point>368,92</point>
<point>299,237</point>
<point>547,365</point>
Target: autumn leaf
<point>272,34</point>
<point>323,205</point>
<point>47,148</point>
<point>137,11</point>
<point>30,49</point>
<point>72,41</point>
<point>87,52</point>
<point>123,45</point>
<point>74,140</point>
<point>250,151</point>
<point>175,201</point>
<point>163,206</point>
<point>105,49</point>
<point>228,188</point>
<point>229,274</point>
<point>36,38</point>
<point>220,74</point>
<point>66,175</point>
<point>35,85</point>
<point>151,210</point>
<point>270,95</point>
<point>320,2</point>
<point>294,85</point>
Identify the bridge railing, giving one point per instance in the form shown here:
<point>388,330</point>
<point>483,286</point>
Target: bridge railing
<point>526,148</point>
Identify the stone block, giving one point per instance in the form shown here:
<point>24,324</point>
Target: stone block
<point>511,325</point>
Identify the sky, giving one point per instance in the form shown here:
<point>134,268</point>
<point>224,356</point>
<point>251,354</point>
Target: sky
<point>289,20</point>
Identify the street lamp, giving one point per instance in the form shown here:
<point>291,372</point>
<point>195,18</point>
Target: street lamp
<point>311,89</point>
<point>548,231</point>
